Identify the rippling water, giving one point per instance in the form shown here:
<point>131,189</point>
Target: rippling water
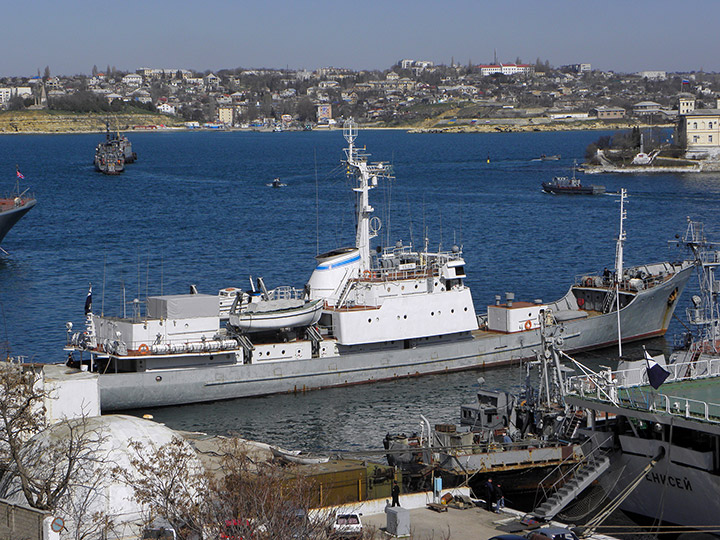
<point>195,209</point>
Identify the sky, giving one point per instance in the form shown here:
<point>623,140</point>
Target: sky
<point>624,36</point>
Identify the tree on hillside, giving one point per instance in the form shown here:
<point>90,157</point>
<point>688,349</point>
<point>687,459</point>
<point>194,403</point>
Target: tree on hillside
<point>94,70</point>
<point>46,75</point>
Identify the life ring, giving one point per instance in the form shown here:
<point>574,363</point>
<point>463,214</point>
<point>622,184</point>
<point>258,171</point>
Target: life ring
<point>367,274</point>
<point>528,325</point>
<point>581,302</point>
<point>589,282</point>
<point>143,349</point>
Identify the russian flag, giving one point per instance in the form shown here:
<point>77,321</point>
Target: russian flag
<point>655,372</point>
<point>686,81</point>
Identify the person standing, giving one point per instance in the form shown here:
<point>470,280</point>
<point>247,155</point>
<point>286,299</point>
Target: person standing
<point>395,494</point>
<point>499,497</point>
<point>489,495</point>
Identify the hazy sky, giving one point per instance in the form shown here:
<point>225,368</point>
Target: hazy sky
<point>72,36</point>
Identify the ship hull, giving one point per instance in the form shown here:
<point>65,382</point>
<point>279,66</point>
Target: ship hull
<point>10,217</point>
<point>225,375</point>
<point>672,492</point>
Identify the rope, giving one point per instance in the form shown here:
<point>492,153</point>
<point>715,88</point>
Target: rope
<point>615,503</point>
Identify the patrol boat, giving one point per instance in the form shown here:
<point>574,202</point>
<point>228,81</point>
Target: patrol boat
<point>386,313</point>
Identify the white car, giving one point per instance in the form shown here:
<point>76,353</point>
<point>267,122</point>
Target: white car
<point>347,526</point>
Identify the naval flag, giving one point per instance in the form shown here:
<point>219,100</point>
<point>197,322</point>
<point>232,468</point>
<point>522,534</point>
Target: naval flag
<point>88,301</point>
<point>655,372</point>
<point>20,175</point>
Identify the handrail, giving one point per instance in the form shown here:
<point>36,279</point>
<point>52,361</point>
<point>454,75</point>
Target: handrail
<point>588,457</point>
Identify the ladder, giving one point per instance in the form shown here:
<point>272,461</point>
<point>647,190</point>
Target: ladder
<point>609,301</point>
<point>573,481</point>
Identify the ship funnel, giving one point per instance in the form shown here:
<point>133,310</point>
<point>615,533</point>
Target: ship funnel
<point>509,297</point>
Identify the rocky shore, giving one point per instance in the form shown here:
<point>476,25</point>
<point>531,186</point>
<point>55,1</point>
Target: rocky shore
<point>66,122</point>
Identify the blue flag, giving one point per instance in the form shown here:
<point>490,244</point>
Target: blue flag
<point>655,372</point>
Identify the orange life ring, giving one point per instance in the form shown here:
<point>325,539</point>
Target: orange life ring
<point>589,282</point>
<point>367,274</point>
<point>143,349</point>
<point>528,325</point>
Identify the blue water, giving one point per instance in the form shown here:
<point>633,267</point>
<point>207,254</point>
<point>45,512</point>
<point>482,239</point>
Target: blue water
<point>194,209</point>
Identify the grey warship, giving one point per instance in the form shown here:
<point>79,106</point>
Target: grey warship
<point>112,154</point>
<point>13,207</point>
<point>383,313</point>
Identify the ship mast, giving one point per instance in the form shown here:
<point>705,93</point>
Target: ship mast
<point>366,176</point>
<point>619,263</point>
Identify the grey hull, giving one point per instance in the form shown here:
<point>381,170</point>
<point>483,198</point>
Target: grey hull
<point>647,315</point>
<point>9,218</point>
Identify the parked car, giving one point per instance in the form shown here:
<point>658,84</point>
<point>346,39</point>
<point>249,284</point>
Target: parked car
<point>508,537</point>
<point>552,533</point>
<point>347,526</point>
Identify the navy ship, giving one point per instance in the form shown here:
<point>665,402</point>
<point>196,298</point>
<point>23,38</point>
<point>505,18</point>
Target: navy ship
<point>364,315</point>
<point>112,154</point>
<point>13,207</point>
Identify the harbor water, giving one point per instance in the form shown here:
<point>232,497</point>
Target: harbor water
<point>195,209</point>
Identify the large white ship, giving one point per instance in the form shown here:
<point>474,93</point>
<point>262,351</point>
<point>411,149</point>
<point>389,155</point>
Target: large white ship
<point>365,315</point>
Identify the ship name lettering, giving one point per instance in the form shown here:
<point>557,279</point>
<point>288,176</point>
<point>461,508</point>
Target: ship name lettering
<point>672,481</point>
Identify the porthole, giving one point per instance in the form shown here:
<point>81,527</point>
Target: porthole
<point>465,309</point>
<point>452,311</point>
<point>416,285</point>
<point>404,316</point>
<point>158,378</point>
<point>432,313</point>
<point>283,351</point>
<point>369,321</point>
<point>402,288</point>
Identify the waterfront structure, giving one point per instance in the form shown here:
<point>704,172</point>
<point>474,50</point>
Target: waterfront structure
<point>698,130</point>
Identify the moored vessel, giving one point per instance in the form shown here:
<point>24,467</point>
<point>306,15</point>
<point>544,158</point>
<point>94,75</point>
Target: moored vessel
<point>14,206</point>
<point>385,313</point>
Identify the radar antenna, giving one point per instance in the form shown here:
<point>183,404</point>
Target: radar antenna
<point>350,130</point>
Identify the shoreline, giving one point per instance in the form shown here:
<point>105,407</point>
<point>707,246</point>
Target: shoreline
<point>47,123</point>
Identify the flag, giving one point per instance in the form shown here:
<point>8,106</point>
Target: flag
<point>88,301</point>
<point>20,175</point>
<point>686,81</point>
<point>655,372</point>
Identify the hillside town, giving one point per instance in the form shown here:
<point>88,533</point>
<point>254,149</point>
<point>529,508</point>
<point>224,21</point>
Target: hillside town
<point>412,93</point>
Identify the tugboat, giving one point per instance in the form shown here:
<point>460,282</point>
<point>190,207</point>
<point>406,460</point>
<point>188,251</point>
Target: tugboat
<point>570,186</point>
<point>14,207</point>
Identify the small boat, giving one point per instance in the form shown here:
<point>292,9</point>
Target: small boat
<point>13,207</point>
<point>297,456</point>
<point>562,185</point>
<point>276,183</point>
<point>283,307</point>
<point>543,157</point>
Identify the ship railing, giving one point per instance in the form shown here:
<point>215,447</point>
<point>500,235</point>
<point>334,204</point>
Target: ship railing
<point>286,292</point>
<point>393,274</point>
<point>609,387</point>
<point>678,406</point>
